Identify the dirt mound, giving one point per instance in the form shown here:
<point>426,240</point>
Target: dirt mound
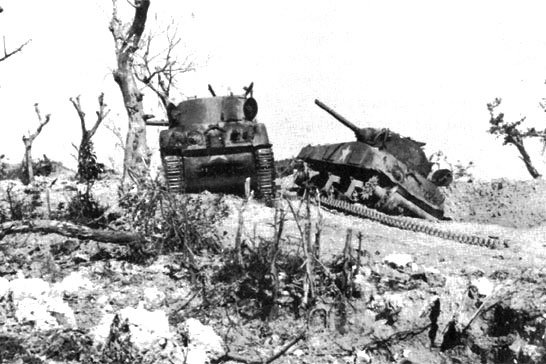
<point>517,204</point>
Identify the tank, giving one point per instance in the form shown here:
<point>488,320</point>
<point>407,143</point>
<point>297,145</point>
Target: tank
<point>381,169</point>
<point>215,144</point>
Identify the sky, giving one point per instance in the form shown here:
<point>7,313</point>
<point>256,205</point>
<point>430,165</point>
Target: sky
<point>424,69</point>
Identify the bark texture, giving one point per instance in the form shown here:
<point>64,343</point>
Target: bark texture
<point>70,230</point>
<point>127,41</point>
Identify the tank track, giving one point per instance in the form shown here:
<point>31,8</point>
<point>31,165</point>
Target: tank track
<point>265,174</point>
<point>173,165</point>
<point>411,224</point>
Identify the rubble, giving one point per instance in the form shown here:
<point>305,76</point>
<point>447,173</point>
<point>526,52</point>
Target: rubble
<point>165,351</point>
<point>73,283</point>
<point>37,304</point>
<point>398,260</point>
<point>484,286</point>
<point>204,344</point>
<point>4,287</point>
<point>389,296</point>
<point>153,298</point>
<point>146,327</point>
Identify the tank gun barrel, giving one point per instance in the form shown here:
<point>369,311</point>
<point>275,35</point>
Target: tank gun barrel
<point>336,115</point>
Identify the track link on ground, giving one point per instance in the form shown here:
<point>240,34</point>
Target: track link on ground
<point>411,224</point>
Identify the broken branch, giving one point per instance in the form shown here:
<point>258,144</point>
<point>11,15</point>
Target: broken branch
<point>11,53</point>
<point>70,230</point>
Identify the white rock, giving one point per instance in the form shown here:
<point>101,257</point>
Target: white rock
<point>28,288</point>
<point>146,326</point>
<point>202,340</point>
<point>364,271</point>
<point>101,331</point>
<point>431,270</point>
<point>396,300</point>
<point>72,283</point>
<point>366,289</point>
<point>196,355</point>
<point>362,357</point>
<point>29,310</point>
<point>159,266</point>
<point>4,287</point>
<point>153,298</point>
<point>102,300</point>
<point>534,352</point>
<point>398,260</point>
<point>56,306</point>
<point>298,353</point>
<point>36,303</point>
<point>483,285</point>
<point>165,351</point>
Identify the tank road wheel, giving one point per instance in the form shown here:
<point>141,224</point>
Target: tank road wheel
<point>173,165</point>
<point>265,169</point>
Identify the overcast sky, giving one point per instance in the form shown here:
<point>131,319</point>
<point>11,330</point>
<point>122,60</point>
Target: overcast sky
<point>425,69</point>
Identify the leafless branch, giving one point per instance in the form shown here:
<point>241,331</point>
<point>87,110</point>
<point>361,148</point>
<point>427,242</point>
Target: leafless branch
<point>116,131</point>
<point>79,110</point>
<point>102,113</point>
<point>159,71</point>
<point>43,123</point>
<point>8,54</point>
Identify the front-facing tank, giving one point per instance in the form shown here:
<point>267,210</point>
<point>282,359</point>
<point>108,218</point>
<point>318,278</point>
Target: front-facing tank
<point>380,169</point>
<point>215,144</point>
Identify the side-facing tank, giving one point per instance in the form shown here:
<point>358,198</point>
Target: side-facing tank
<point>215,144</point>
<point>381,169</point>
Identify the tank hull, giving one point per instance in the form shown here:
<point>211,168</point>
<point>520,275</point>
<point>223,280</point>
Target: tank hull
<point>215,144</point>
<point>358,161</point>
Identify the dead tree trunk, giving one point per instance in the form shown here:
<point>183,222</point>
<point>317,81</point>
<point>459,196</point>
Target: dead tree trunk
<point>70,230</point>
<point>518,143</point>
<point>28,140</point>
<point>136,158</point>
<point>85,148</point>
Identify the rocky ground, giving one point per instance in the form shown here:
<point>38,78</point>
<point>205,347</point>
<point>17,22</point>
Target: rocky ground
<point>396,297</point>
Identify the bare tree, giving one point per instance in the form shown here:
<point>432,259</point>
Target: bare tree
<point>88,168</point>
<point>159,70</point>
<point>511,133</point>
<point>127,42</point>
<point>29,139</point>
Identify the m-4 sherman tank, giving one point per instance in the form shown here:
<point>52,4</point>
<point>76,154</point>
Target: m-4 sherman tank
<point>381,169</point>
<point>215,144</point>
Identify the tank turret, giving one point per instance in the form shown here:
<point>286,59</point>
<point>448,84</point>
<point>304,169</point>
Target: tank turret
<point>405,149</point>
